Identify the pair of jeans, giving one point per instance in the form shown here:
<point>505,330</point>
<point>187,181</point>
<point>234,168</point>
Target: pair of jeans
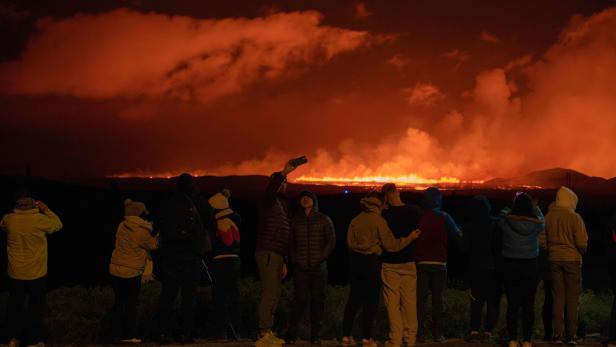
<point>309,292</point>
<point>431,278</point>
<point>270,266</point>
<point>400,296</point>
<point>566,290</point>
<point>179,275</point>
<point>485,290</point>
<point>124,318</point>
<point>521,280</point>
<point>365,289</point>
<point>34,291</point>
<point>226,294</point>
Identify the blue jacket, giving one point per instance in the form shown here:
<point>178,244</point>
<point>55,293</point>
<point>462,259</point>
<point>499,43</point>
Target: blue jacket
<point>520,235</point>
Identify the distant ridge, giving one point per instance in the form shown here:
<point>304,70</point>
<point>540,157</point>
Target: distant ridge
<point>556,177</point>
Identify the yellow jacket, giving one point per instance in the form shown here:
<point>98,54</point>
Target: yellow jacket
<point>369,234</point>
<point>27,232</point>
<point>567,238</point>
<point>132,246</point>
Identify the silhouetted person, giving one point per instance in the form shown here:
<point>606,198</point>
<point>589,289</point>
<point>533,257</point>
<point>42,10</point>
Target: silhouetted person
<point>27,228</point>
<point>398,271</point>
<point>437,228</point>
<point>133,243</point>
<point>312,241</point>
<point>367,238</point>
<point>226,266</point>
<point>184,241</point>
<point>271,251</point>
<point>519,231</point>
<point>610,242</point>
<point>566,243</point>
<point>479,243</point>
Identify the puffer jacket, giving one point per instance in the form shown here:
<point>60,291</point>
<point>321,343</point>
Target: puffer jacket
<point>274,223</point>
<point>566,233</point>
<point>312,238</point>
<point>132,246</point>
<point>519,235</point>
<point>27,232</point>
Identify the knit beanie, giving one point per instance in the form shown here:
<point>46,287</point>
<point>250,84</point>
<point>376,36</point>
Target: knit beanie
<point>219,201</point>
<point>133,208</point>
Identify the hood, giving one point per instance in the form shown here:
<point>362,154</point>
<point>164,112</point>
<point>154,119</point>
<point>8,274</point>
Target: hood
<point>134,223</point>
<point>479,207</point>
<point>313,196</point>
<point>432,198</point>
<point>371,205</point>
<point>566,198</point>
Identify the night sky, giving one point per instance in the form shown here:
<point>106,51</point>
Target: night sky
<point>464,89</point>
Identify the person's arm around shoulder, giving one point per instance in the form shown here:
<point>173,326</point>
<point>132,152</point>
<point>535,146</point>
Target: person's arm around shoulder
<point>580,235</point>
<point>147,241</point>
<point>49,222</point>
<point>389,242</point>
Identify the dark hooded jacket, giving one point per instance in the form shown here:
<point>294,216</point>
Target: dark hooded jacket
<point>185,225</point>
<point>478,240</point>
<point>610,238</point>
<point>401,220</point>
<point>436,228</point>
<point>312,237</point>
<point>274,223</point>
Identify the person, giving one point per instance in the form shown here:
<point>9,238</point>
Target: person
<point>27,228</point>
<point>368,236</point>
<point>519,230</point>
<point>566,243</point>
<point>312,241</point>
<point>271,252</point>
<point>610,242</point>
<point>184,240</point>
<point>133,243</point>
<point>437,229</point>
<point>225,266</point>
<point>398,270</point>
<point>478,242</point>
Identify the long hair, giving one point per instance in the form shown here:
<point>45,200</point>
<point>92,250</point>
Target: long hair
<point>523,205</point>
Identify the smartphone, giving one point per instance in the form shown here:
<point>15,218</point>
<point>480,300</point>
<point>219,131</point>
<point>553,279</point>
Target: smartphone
<point>298,161</point>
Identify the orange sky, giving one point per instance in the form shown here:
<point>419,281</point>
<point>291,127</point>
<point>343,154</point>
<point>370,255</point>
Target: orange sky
<point>361,88</point>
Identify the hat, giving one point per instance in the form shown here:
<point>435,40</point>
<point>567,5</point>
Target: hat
<point>219,201</point>
<point>133,208</point>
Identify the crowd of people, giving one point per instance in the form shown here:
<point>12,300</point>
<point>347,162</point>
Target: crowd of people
<point>397,249</point>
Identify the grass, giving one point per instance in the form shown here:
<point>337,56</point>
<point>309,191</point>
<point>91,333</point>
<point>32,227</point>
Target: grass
<point>81,315</point>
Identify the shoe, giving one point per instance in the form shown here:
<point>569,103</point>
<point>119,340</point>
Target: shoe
<point>572,341</point>
<point>527,344</point>
<point>348,341</point>
<point>13,343</point>
<point>368,343</point>
<point>269,339</point>
<point>439,339</point>
<point>513,343</point>
<point>315,341</point>
<point>133,341</point>
<point>486,337</point>
<point>472,337</point>
<point>556,340</point>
